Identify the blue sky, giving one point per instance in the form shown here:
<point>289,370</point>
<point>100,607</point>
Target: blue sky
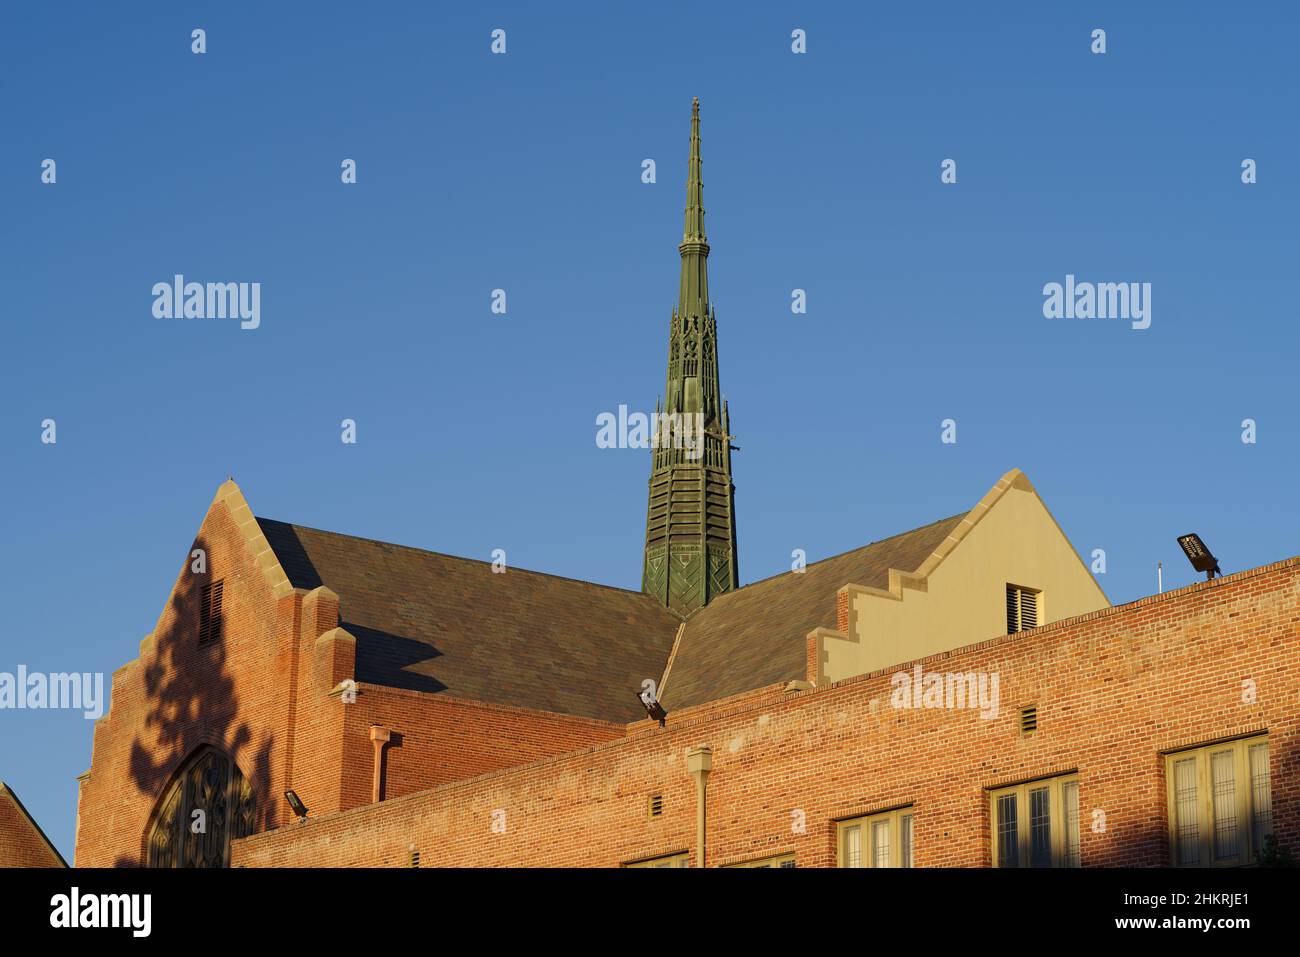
<point>523,172</point>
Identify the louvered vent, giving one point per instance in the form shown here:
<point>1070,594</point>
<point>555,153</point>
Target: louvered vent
<point>210,612</point>
<point>656,806</point>
<point>1029,719</point>
<point>1022,609</point>
<point>413,858</point>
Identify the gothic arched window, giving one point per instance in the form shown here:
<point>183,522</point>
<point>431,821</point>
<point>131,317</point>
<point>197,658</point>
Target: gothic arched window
<point>208,804</point>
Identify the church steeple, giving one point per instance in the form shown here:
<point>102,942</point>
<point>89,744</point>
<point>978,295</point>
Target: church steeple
<point>693,296</point>
<point>690,549</point>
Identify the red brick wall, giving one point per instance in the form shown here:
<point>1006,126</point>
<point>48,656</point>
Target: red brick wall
<point>21,844</point>
<point>262,694</point>
<point>438,739</point>
<point>178,695</point>
<point>1113,689</point>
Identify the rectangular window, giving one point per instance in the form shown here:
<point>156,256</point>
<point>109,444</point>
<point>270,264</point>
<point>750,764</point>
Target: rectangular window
<point>1036,824</point>
<point>905,836</point>
<point>1070,795</point>
<point>1220,803</point>
<point>1260,796</point>
<point>851,846</point>
<point>681,859</point>
<point>1023,608</point>
<point>1008,831</point>
<point>210,612</point>
<point>877,840</point>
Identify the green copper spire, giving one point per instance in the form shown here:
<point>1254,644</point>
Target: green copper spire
<point>690,550</point>
<point>693,297</point>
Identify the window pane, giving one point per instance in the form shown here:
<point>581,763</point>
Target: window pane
<point>853,846</point>
<point>1008,828</point>
<point>880,844</point>
<point>1070,797</point>
<point>1223,780</point>
<point>1261,795</point>
<point>905,838</point>
<point>1187,812</point>
<point>1040,828</point>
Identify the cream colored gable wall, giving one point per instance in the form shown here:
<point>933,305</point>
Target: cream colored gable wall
<point>1010,538</point>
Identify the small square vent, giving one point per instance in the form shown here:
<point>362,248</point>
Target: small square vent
<point>1029,719</point>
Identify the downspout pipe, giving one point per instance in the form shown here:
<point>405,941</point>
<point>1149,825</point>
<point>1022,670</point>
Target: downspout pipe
<point>379,736</point>
<point>699,761</point>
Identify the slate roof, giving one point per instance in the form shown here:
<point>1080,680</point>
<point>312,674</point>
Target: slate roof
<point>432,622</point>
<point>756,636</point>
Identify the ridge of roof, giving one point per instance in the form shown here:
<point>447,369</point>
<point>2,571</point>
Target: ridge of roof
<point>849,551</point>
<point>458,558</point>
<point>582,581</point>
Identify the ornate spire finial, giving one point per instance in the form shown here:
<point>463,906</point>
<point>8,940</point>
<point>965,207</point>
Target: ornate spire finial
<point>690,553</point>
<point>693,295</point>
<point>694,229</point>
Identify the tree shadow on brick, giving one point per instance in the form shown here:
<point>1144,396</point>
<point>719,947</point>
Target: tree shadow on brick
<point>191,702</point>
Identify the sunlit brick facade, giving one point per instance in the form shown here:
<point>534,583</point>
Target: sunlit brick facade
<point>1115,692</point>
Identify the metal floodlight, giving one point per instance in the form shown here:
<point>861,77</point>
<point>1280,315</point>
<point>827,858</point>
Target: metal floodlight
<point>652,706</point>
<point>1199,555</point>
<point>295,802</point>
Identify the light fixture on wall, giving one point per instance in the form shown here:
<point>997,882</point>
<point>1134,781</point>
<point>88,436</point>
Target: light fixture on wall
<point>1199,555</point>
<point>652,706</point>
<point>295,802</point>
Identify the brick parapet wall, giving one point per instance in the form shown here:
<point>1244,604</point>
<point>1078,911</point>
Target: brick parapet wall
<point>1114,689</point>
<point>441,738</point>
